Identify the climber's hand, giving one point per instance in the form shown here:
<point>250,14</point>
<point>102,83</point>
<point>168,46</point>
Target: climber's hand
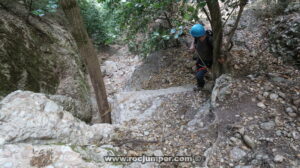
<point>192,48</point>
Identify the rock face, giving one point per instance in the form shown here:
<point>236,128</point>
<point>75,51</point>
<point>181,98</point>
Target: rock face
<point>79,109</point>
<point>61,156</point>
<point>284,36</point>
<point>41,56</point>
<point>221,89</point>
<point>152,65</point>
<point>37,132</point>
<point>25,155</point>
<point>141,105</point>
<point>33,118</point>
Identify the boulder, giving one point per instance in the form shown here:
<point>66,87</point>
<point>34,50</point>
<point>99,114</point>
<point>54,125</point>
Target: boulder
<point>61,156</point>
<point>77,108</point>
<point>221,89</point>
<point>261,105</point>
<point>33,118</point>
<point>278,158</point>
<point>145,104</point>
<point>267,125</point>
<point>40,55</point>
<point>50,156</point>
<point>237,154</point>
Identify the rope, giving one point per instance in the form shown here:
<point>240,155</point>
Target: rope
<point>202,61</point>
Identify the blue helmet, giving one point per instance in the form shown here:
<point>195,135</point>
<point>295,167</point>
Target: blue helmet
<point>197,30</point>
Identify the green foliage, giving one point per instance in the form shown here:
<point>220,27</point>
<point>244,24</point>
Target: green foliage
<point>41,7</point>
<point>145,25</point>
<point>149,25</point>
<point>229,6</point>
<point>100,23</point>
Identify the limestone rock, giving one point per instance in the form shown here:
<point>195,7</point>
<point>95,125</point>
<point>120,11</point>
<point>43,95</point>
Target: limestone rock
<point>249,141</point>
<point>32,117</point>
<point>77,108</point>
<point>40,56</point>
<point>221,89</point>
<point>278,158</point>
<point>296,135</point>
<point>267,125</point>
<point>292,115</point>
<point>261,105</point>
<point>281,94</point>
<point>197,120</point>
<point>274,96</point>
<point>237,154</point>
<point>26,155</point>
<point>110,67</point>
<point>97,154</point>
<point>55,156</point>
<point>289,110</point>
<point>142,105</point>
<point>244,166</point>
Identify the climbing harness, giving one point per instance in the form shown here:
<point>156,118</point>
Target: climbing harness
<point>205,67</point>
<point>202,68</point>
<point>209,33</point>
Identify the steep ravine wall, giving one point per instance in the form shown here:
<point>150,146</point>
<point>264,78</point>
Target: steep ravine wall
<point>40,55</point>
<point>285,37</point>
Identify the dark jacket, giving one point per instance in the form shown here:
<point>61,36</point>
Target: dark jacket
<point>205,51</point>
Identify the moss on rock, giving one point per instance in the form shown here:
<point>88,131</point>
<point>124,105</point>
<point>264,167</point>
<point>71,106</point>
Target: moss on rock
<point>40,55</point>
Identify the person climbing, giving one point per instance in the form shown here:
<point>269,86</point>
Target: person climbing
<point>203,45</point>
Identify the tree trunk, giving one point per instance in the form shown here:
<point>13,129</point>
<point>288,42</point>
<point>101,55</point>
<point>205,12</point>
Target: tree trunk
<point>87,51</point>
<point>217,28</point>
